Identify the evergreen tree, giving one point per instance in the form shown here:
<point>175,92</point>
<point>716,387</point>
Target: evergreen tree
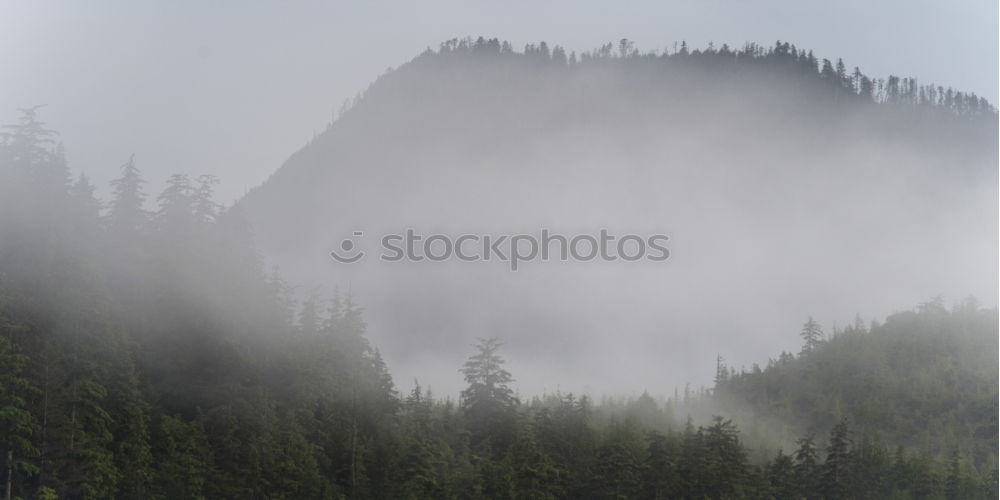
<point>31,152</point>
<point>126,214</point>
<point>726,459</point>
<point>83,193</point>
<point>807,469</point>
<point>693,464</point>
<point>620,462</point>
<point>204,208</point>
<point>175,215</point>
<point>535,475</point>
<point>812,335</point>
<point>17,424</point>
<point>183,460</point>
<point>836,469</point>
<point>781,476</point>
<point>488,381</point>
<point>661,477</point>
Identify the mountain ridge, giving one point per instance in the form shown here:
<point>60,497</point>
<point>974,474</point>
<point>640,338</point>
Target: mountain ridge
<point>475,137</point>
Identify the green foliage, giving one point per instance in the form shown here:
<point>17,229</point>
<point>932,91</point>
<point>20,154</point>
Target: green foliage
<point>836,470</point>
<point>925,380</point>
<point>183,458</point>
<point>17,423</point>
<point>131,372</point>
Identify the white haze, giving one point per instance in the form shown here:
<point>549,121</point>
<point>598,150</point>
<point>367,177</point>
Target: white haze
<point>761,236</point>
<point>776,210</point>
<point>232,88</point>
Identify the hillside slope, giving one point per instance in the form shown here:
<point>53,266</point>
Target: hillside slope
<point>925,380</point>
<point>784,183</point>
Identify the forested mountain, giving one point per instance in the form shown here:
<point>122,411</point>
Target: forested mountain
<point>147,352</point>
<point>924,379</point>
<point>782,180</point>
<point>148,355</point>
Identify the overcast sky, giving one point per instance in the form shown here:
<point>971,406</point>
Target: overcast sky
<point>233,88</point>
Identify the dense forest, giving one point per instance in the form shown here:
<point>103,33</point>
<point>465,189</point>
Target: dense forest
<point>147,352</point>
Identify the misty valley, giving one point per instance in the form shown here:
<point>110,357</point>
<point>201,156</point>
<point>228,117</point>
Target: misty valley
<point>802,303</point>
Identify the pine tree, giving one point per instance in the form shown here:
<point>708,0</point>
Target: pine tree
<point>842,77</point>
<point>620,462</point>
<point>807,470</point>
<point>37,161</point>
<point>83,193</point>
<point>836,468</point>
<point>417,475</point>
<point>661,477</point>
<point>182,457</point>
<point>126,215</point>
<point>488,392</point>
<point>782,478</point>
<point>175,215</point>
<point>693,464</point>
<point>812,334</point>
<point>488,403</point>
<point>535,475</point>
<point>726,459</point>
<point>17,424</point>
<point>203,207</point>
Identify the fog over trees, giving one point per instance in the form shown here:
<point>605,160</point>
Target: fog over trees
<point>789,186</point>
<point>161,345</point>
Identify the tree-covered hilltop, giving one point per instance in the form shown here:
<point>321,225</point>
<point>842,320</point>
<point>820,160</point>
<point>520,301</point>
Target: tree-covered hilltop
<point>757,161</point>
<point>833,78</point>
<point>924,379</point>
<point>149,354</point>
<point>480,95</point>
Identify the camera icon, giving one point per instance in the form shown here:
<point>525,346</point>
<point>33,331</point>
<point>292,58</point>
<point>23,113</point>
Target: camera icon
<point>349,249</point>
